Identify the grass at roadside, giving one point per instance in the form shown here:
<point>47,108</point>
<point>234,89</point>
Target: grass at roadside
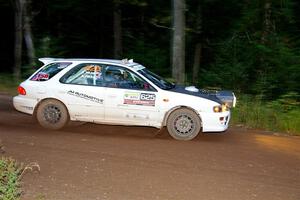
<point>281,115</point>
<point>10,175</point>
<point>8,84</point>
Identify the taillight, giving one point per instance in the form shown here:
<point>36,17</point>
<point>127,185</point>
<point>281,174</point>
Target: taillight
<point>21,90</point>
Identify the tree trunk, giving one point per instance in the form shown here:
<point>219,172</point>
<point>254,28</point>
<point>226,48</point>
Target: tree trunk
<point>197,62</point>
<point>18,9</point>
<point>198,46</point>
<point>178,47</point>
<point>28,33</point>
<point>267,24</point>
<point>117,30</point>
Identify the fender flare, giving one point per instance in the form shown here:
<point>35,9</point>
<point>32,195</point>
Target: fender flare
<point>167,114</point>
<point>49,98</point>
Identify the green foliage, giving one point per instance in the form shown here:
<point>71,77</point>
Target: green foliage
<point>149,55</point>
<point>232,66</point>
<point>10,173</point>
<point>51,47</point>
<point>279,115</point>
<point>8,84</point>
<point>256,61</point>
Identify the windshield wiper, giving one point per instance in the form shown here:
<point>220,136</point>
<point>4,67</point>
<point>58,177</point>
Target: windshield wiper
<point>169,87</point>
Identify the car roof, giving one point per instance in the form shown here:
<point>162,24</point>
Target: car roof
<point>125,62</point>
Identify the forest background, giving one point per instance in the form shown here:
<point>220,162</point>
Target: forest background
<point>251,47</point>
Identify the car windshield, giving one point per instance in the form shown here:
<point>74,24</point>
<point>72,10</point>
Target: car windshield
<point>157,80</point>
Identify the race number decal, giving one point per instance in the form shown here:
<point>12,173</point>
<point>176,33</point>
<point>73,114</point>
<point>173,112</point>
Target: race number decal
<point>142,99</point>
<point>147,97</point>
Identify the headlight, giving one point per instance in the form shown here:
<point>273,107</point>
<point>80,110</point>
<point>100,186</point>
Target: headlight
<point>221,108</point>
<point>217,108</point>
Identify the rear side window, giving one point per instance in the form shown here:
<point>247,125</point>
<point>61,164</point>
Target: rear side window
<point>84,74</point>
<point>49,71</point>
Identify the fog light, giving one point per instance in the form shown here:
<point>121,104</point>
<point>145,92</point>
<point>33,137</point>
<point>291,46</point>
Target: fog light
<point>221,118</point>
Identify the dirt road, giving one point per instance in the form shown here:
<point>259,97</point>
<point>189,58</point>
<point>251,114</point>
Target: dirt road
<point>92,162</point>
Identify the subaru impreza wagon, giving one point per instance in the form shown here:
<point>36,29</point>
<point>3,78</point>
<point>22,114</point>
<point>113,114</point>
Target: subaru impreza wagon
<point>119,92</point>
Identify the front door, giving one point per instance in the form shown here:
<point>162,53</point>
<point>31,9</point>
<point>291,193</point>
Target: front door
<point>129,99</point>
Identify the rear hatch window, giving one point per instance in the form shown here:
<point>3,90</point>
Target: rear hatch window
<point>49,71</point>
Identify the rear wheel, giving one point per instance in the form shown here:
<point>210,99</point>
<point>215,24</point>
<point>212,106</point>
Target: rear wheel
<point>52,114</point>
<point>183,124</point>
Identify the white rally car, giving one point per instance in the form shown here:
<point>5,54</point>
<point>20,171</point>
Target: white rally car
<point>119,92</point>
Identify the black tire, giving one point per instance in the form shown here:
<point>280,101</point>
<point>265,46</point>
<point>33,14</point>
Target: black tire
<point>183,124</point>
<point>52,114</point>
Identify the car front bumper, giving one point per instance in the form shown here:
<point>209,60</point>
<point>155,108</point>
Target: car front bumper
<point>215,122</point>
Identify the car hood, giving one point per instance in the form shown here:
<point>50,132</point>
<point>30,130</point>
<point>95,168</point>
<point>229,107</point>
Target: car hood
<point>220,97</point>
<point>182,89</point>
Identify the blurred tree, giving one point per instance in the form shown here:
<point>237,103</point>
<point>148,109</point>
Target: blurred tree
<point>178,42</point>
<point>28,37</point>
<point>117,30</point>
<point>22,19</point>
<point>198,45</point>
<point>267,23</point>
<point>18,6</point>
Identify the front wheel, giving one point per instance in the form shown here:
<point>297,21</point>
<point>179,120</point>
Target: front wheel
<point>52,114</point>
<point>183,124</point>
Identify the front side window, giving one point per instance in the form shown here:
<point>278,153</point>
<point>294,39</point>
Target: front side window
<point>49,71</point>
<point>119,77</point>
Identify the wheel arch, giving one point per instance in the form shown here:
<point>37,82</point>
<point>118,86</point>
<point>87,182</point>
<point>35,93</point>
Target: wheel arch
<point>45,99</point>
<point>167,114</point>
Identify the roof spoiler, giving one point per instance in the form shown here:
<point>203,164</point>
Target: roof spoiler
<point>47,60</point>
<point>126,61</point>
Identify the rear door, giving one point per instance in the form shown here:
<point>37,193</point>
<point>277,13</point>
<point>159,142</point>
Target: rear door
<point>82,91</point>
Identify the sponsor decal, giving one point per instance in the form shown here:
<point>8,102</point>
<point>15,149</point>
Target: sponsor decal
<point>93,71</point>
<point>85,96</point>
<point>132,96</point>
<point>40,76</point>
<point>93,68</point>
<point>143,99</point>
